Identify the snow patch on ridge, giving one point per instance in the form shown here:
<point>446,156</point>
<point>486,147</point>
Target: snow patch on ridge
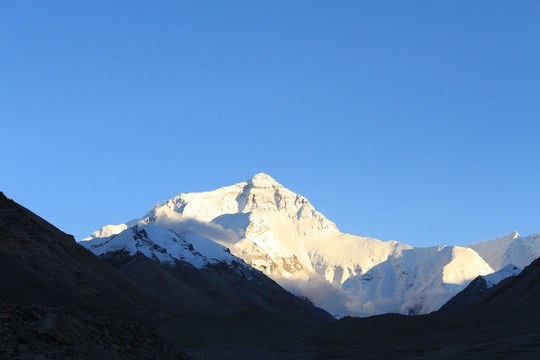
<point>496,277</point>
<point>167,239</point>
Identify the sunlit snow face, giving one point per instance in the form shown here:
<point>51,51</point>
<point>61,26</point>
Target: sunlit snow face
<point>281,234</point>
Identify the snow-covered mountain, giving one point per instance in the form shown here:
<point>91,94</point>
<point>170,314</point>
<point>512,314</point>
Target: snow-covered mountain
<point>417,280</point>
<point>164,245</point>
<point>511,249</point>
<point>280,233</point>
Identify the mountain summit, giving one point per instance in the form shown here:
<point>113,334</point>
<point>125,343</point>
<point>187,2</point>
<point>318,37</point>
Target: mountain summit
<point>511,249</point>
<point>264,181</point>
<point>259,220</point>
<point>280,233</point>
<point>259,195</point>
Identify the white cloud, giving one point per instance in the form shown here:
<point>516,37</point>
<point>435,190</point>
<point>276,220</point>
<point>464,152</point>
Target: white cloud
<point>177,222</point>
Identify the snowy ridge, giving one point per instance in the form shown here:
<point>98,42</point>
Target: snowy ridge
<point>280,233</point>
<point>498,276</point>
<point>163,245</point>
<point>509,249</point>
<point>478,287</point>
<point>417,280</point>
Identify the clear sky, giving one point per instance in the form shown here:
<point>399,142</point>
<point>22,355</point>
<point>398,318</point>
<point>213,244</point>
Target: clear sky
<point>417,121</point>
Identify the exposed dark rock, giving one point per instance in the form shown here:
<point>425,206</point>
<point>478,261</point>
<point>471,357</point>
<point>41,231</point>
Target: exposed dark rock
<point>521,291</point>
<point>472,292</point>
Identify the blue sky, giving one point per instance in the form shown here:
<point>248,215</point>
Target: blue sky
<point>416,121</point>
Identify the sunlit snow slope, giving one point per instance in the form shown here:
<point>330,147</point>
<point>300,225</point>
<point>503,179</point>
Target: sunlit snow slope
<point>511,249</point>
<point>280,233</point>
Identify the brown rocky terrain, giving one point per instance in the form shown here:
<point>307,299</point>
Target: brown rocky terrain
<point>39,333</point>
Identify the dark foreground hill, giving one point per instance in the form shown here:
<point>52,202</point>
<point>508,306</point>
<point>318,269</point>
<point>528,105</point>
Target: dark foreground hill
<point>40,332</point>
<point>39,264</point>
<point>519,292</point>
<point>465,297</point>
<point>59,301</point>
<point>215,290</point>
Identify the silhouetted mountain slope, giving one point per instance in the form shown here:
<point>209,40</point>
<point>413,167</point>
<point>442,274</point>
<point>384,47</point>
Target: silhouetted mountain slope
<point>58,300</point>
<point>472,292</point>
<point>521,291</point>
<point>39,264</point>
<point>478,287</point>
<point>216,289</point>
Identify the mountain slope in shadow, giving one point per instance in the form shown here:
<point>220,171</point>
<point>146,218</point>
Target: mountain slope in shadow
<point>58,300</point>
<point>39,264</point>
<point>217,289</point>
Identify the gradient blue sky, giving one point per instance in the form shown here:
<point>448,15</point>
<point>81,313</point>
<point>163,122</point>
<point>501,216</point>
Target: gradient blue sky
<point>417,121</point>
